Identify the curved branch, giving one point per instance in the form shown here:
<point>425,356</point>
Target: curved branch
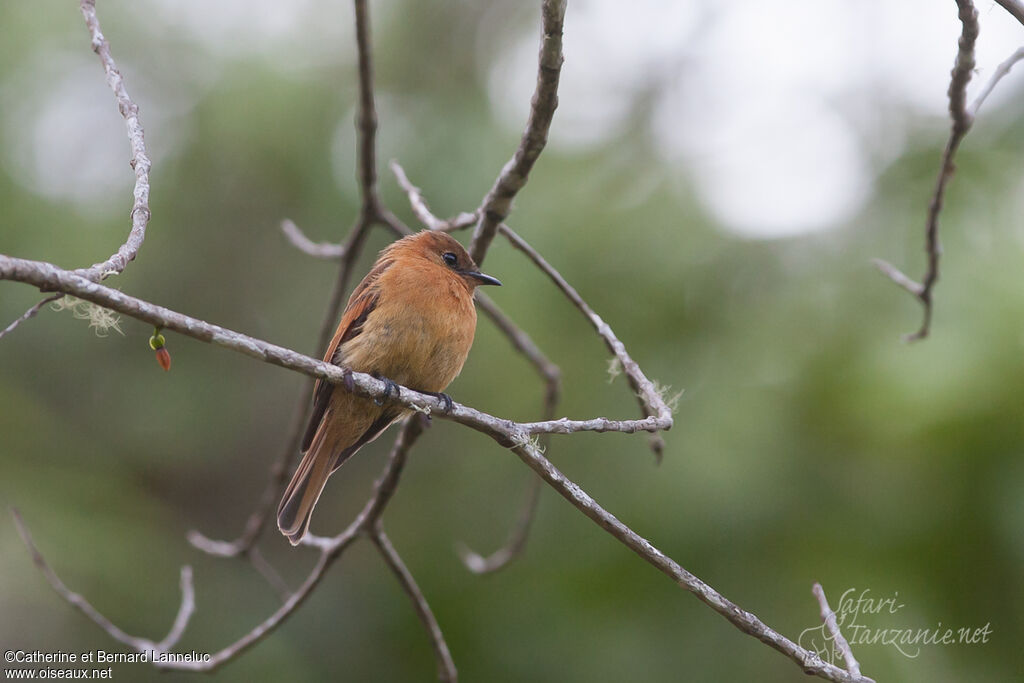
<point>140,163</point>
<point>446,671</point>
<point>30,313</point>
<point>1014,7</point>
<point>498,202</point>
<point>516,542</point>
<point>961,123</point>
<point>829,617</point>
<point>140,160</point>
<point>745,621</point>
<point>298,239</point>
<point>185,611</point>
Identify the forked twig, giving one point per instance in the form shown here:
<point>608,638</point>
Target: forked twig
<point>961,123</point>
<point>829,618</point>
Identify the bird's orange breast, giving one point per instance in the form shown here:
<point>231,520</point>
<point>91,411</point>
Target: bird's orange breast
<point>420,331</point>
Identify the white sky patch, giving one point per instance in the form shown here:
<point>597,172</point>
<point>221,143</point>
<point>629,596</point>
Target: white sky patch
<point>774,109</point>
<point>65,139</point>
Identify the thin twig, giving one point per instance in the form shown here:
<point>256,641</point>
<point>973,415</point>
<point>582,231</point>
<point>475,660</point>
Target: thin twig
<point>324,250</point>
<point>445,666</point>
<point>270,575</point>
<point>330,551</point>
<point>423,212</point>
<point>648,396</point>
<point>50,277</point>
<point>257,520</point>
<point>1014,7</point>
<point>498,202</point>
<point>829,617</point>
<point>549,372</point>
<point>961,123</point>
<point>30,313</point>
<point>371,212</point>
<point>745,621</point>
<point>185,611</point>
<point>140,160</point>
<point>1001,71</point>
<point>516,542</point>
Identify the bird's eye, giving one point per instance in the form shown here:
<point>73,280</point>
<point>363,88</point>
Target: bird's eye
<point>450,259</point>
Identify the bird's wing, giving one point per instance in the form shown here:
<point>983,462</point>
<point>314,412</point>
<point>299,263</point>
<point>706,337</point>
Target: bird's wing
<point>360,305</point>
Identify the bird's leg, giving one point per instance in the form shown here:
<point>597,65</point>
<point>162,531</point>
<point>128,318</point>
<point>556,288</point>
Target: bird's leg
<point>445,399</point>
<point>346,378</point>
<point>389,388</point>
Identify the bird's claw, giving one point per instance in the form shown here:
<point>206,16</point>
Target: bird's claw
<point>389,388</point>
<point>346,378</point>
<point>445,399</point>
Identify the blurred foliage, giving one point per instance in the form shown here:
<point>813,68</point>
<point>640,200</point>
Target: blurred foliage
<point>810,443</point>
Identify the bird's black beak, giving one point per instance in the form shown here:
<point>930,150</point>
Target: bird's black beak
<point>482,279</point>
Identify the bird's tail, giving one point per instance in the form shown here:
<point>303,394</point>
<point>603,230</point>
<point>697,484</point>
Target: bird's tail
<point>304,490</point>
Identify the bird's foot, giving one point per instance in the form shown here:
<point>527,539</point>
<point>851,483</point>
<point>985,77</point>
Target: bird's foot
<point>389,388</point>
<point>346,379</point>
<point>445,399</point>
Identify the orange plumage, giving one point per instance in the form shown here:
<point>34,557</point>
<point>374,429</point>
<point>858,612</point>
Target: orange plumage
<point>411,321</point>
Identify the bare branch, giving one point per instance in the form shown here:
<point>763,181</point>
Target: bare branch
<point>85,607</point>
<point>445,666</point>
<point>257,520</point>
<point>366,117</point>
<point>745,621</point>
<point>1014,7</point>
<point>829,617</point>
<point>49,277</point>
<point>498,202</point>
<point>516,543</point>
<point>422,211</point>
<point>30,313</point>
<point>961,123</point>
<point>651,401</point>
<point>140,160</point>
<point>548,371</point>
<point>897,276</point>
<point>324,250</point>
<point>371,212</point>
<point>1001,71</point>
<point>270,575</point>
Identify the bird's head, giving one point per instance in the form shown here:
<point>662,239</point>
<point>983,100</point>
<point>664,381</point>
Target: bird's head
<point>443,250</point>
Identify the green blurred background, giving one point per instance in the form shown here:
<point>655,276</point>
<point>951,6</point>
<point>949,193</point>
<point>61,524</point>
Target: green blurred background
<point>810,443</point>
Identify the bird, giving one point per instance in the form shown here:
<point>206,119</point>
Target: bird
<point>410,321</point>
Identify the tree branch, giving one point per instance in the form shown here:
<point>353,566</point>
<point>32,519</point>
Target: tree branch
<point>505,432</point>
<point>140,163</point>
<point>745,621</point>
<point>30,313</point>
<point>961,123</point>
<point>498,202</point>
<point>1014,7</point>
<point>649,396</point>
<point>445,666</point>
<point>371,213</point>
<point>1001,71</point>
<point>516,542</point>
<point>185,611</point>
<point>829,617</point>
<point>298,239</point>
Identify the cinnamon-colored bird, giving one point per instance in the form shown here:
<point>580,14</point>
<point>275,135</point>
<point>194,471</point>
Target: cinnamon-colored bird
<point>410,321</point>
